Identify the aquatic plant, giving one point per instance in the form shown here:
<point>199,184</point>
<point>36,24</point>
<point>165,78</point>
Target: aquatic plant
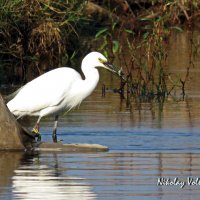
<point>146,46</point>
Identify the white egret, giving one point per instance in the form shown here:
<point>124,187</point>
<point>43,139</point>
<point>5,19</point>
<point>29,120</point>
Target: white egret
<point>58,90</point>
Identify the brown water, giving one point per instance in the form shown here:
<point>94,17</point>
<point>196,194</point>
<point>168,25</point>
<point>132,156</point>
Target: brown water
<point>153,141</point>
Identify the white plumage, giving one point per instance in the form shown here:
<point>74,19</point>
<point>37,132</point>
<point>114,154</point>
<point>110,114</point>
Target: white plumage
<point>47,94</point>
<point>57,90</point>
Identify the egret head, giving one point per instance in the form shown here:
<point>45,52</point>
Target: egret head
<point>96,59</point>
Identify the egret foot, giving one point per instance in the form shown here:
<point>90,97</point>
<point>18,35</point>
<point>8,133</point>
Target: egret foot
<point>38,137</point>
<point>37,134</point>
<point>35,130</point>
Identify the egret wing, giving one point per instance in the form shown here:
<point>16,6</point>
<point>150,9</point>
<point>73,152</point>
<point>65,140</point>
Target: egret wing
<point>45,91</point>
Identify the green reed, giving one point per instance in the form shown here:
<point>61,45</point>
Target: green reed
<point>142,53</point>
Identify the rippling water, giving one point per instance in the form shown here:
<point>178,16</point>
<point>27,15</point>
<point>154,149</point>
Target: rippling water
<point>151,142</point>
<point>113,175</point>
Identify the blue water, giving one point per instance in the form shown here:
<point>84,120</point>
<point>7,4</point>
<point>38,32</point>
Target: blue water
<point>146,143</point>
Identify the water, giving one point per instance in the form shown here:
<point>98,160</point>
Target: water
<point>153,141</point>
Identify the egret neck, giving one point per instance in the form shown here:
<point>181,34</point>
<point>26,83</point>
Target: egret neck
<point>91,79</point>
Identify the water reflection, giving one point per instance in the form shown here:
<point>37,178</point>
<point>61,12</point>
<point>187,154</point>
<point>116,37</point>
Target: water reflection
<point>9,161</point>
<point>44,179</point>
<point>112,175</point>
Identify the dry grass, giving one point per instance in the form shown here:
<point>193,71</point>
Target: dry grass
<point>32,31</point>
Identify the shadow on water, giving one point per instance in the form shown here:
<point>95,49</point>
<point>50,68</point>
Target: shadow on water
<point>9,161</point>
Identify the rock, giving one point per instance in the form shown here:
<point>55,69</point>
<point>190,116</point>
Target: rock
<point>59,147</point>
<point>12,135</point>
<point>97,12</point>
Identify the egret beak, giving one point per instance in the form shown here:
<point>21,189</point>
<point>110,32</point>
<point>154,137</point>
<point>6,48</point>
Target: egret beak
<point>113,69</point>
<point>109,67</point>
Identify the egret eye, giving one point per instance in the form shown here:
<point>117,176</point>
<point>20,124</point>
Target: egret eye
<point>102,61</point>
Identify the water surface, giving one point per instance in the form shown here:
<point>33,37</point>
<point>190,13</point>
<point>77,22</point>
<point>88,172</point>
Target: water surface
<point>152,140</point>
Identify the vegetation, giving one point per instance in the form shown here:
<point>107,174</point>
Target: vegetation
<point>37,35</point>
<point>146,44</point>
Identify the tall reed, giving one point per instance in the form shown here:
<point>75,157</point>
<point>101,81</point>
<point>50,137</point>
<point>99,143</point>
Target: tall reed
<point>141,50</point>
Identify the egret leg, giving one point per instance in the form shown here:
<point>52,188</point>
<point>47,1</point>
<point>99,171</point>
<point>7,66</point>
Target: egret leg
<point>36,129</point>
<point>54,136</point>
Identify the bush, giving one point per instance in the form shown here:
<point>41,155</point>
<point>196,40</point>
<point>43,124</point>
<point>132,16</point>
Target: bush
<point>35,34</point>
